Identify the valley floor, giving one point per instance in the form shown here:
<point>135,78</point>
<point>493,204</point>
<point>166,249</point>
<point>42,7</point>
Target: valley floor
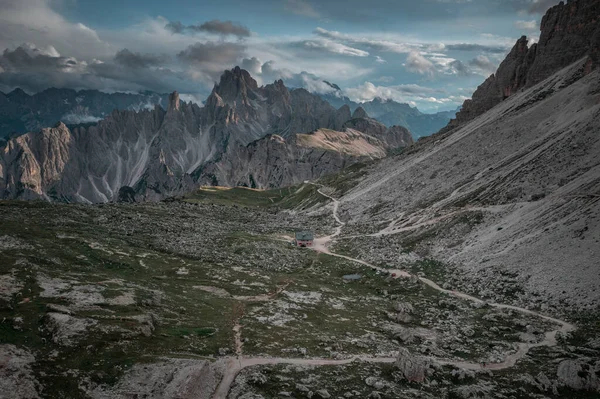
<point>205,297</point>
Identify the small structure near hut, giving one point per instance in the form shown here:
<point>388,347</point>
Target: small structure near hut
<point>304,239</point>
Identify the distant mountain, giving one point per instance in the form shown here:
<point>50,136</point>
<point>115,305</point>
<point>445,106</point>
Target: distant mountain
<point>244,135</point>
<point>21,112</point>
<point>391,113</point>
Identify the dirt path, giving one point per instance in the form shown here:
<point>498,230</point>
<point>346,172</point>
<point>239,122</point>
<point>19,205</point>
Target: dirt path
<point>321,244</point>
<point>511,359</point>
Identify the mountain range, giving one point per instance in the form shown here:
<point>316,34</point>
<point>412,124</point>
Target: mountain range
<point>391,113</point>
<point>22,113</point>
<point>244,135</point>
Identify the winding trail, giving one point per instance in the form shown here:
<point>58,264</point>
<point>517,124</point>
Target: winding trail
<point>235,364</point>
<point>510,360</point>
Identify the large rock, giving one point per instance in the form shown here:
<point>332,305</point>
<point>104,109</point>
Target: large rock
<point>569,32</point>
<point>413,368</point>
<point>16,376</point>
<point>170,378</point>
<point>580,375</point>
<point>67,330</point>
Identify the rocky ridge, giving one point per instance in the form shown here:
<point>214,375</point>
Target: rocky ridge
<point>21,113</point>
<point>569,32</point>
<point>393,113</point>
<point>159,153</point>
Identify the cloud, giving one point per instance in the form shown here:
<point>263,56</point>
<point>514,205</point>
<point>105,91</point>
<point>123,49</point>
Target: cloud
<point>214,26</point>
<point>34,21</point>
<point>35,69</point>
<point>252,65</point>
<point>526,25</point>
<point>207,61</point>
<point>384,79</point>
<point>416,63</point>
<point>333,47</point>
<point>211,52</point>
<point>476,47</point>
<point>224,28</point>
<point>373,42</point>
<point>431,99</point>
<point>483,64</point>
<point>303,79</point>
<point>176,27</point>
<point>301,7</point>
<point>137,60</point>
<point>541,6</point>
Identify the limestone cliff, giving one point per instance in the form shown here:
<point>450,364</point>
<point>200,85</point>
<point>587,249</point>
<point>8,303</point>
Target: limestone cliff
<point>569,32</point>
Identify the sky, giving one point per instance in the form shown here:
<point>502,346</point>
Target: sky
<point>431,54</point>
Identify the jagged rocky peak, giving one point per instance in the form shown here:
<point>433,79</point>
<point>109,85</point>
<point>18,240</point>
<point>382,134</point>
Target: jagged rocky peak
<point>174,101</point>
<point>235,85</point>
<point>359,113</point>
<point>569,32</point>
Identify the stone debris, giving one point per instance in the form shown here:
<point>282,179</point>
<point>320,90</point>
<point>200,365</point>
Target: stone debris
<point>16,376</point>
<point>413,368</point>
<point>65,329</point>
<point>579,374</point>
<point>169,378</point>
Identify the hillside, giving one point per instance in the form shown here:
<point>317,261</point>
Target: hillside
<point>513,192</point>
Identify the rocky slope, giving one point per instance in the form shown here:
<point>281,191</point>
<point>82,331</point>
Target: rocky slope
<point>21,113</point>
<point>569,32</point>
<point>158,152</point>
<point>277,162</point>
<point>392,113</point>
<point>513,193</point>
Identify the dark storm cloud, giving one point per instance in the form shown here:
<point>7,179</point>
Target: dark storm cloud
<point>138,60</point>
<point>224,28</point>
<point>214,26</point>
<point>176,27</point>
<point>34,70</point>
<point>211,52</point>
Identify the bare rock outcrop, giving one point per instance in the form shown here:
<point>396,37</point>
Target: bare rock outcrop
<point>161,152</point>
<point>275,161</point>
<point>16,376</point>
<point>569,32</point>
<point>67,329</point>
<point>412,367</point>
<point>169,378</point>
<point>579,375</point>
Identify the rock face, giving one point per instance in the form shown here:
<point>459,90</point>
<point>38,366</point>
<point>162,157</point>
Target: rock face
<point>275,162</point>
<point>16,376</point>
<point>160,153</point>
<point>534,159</point>
<point>579,375</point>
<point>413,368</point>
<point>170,378</point>
<point>21,113</point>
<point>569,32</point>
